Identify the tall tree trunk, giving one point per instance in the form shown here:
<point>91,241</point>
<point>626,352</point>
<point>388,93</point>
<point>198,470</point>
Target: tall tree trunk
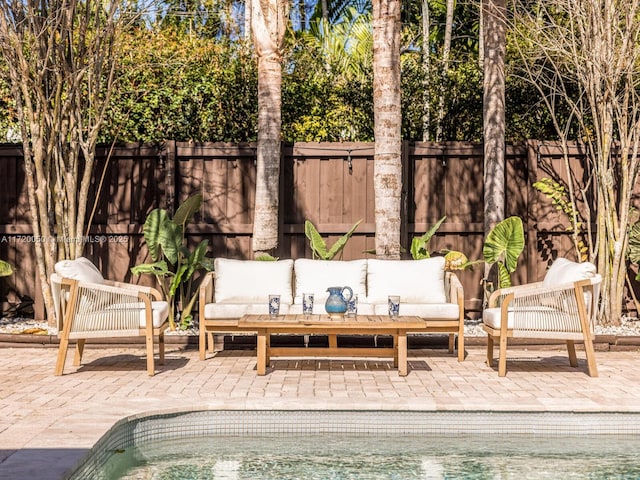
<point>268,22</point>
<point>426,71</point>
<point>247,20</point>
<point>481,35</point>
<point>387,127</point>
<point>446,49</point>
<point>493,112</point>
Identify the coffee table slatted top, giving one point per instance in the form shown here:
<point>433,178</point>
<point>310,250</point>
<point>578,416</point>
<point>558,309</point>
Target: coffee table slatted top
<point>359,321</point>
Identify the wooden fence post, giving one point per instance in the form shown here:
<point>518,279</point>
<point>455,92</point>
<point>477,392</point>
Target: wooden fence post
<point>168,151</point>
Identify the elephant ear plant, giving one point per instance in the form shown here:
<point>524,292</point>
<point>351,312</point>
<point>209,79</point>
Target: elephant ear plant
<point>503,247</point>
<point>174,264</point>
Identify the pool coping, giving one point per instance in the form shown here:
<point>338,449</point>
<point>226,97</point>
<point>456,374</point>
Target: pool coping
<point>140,429</point>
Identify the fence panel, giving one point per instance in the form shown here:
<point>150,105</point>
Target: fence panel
<point>330,184</point>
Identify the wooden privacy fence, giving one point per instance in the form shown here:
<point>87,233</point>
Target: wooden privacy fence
<point>330,184</point>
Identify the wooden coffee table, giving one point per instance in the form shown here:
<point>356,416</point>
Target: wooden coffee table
<point>323,324</point>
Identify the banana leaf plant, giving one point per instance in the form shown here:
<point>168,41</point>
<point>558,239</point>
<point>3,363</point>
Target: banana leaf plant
<point>420,245</point>
<point>174,264</point>
<point>503,247</point>
<point>319,246</point>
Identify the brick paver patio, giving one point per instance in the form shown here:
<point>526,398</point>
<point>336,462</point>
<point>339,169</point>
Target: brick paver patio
<point>48,423</point>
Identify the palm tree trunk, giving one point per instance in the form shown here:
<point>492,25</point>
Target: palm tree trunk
<point>268,24</point>
<point>387,127</point>
<point>493,112</point>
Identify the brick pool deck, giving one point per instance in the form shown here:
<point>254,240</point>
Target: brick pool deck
<point>48,423</point>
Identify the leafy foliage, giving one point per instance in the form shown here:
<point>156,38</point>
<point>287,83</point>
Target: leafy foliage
<point>6,269</point>
<point>173,264</point>
<point>558,196</point>
<point>319,245</point>
<point>419,245</point>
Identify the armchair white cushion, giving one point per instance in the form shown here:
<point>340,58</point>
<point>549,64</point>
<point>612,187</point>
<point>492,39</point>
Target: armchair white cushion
<point>564,271</point>
<point>81,269</point>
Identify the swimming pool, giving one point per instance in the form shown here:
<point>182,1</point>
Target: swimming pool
<point>375,445</point>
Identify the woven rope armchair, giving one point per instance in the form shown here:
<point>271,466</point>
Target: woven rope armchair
<point>88,306</point>
<point>562,307</point>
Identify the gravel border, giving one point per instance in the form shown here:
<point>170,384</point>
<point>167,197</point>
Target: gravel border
<point>630,326</point>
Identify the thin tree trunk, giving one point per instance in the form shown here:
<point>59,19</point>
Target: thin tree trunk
<point>426,71</point>
<point>387,127</point>
<point>446,49</point>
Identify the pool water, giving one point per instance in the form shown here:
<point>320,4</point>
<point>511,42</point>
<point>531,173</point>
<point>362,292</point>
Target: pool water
<point>351,457</point>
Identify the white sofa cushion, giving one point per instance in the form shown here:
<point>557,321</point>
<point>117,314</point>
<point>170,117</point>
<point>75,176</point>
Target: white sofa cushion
<point>237,310</point>
<point>416,281</point>
<point>315,276</point>
<point>81,269</point>
<point>435,311</point>
<point>252,281</point>
<point>564,271</point>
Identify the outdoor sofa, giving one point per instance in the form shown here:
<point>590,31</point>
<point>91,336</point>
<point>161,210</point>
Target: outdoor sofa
<point>240,287</point>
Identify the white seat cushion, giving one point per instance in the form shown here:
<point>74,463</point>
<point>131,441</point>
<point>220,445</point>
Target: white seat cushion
<point>236,310</point>
<point>416,281</point>
<point>436,311</point>
<point>315,276</point>
<point>160,314</point>
<point>81,269</point>
<point>564,271</point>
<point>536,319</point>
<point>160,311</point>
<point>252,281</point>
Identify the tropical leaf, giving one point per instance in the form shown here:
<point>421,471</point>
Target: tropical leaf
<point>6,269</point>
<point>505,243</point>
<point>170,240</point>
<point>187,209</point>
<point>316,242</point>
<point>504,277</point>
<point>194,261</point>
<point>419,245</point>
<point>158,268</point>
<point>342,241</point>
<point>153,226</point>
<point>177,279</point>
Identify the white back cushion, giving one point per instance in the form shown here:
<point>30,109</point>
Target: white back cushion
<point>416,281</point>
<point>252,281</point>
<point>81,269</point>
<point>564,271</point>
<point>315,276</point>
